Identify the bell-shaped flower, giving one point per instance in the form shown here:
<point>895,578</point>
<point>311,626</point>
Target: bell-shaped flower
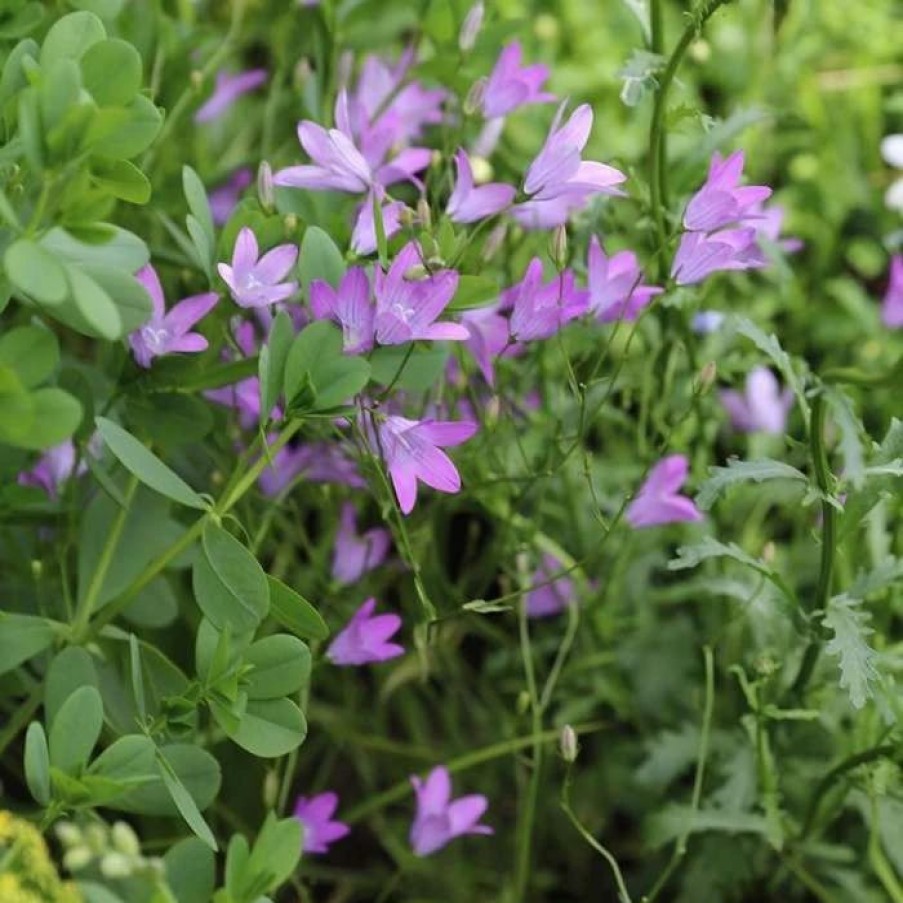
<point>440,819</point>
<point>354,554</point>
<point>550,595</point>
<point>365,638</point>
<point>321,830</point>
<point>227,90</point>
<point>700,254</point>
<point>762,407</point>
<point>892,305</point>
<point>363,237</point>
<point>256,281</point>
<point>615,284</point>
<point>317,462</point>
<point>659,501</point>
<point>511,85</point>
<point>350,305</point>
<point>722,201</point>
<point>224,198</point>
<point>487,337</point>
<point>53,469</point>
<point>467,203</point>
<point>169,332</point>
<point>538,309</point>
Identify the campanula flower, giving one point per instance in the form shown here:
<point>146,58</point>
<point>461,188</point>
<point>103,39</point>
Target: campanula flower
<point>406,308</point>
<point>227,90</point>
<point>892,305</point>
<point>350,306</point>
<point>52,469</point>
<point>722,201</point>
<point>550,595</point>
<point>257,281</point>
<point>699,255</point>
<point>169,332</point>
<point>707,321</point>
<point>363,237</point>
<point>440,819</point>
<point>413,451</point>
<point>615,284</point>
<point>316,815</point>
<point>467,203</point>
<point>365,638</point>
<point>892,152</point>
<point>356,553</point>
<point>658,501</point>
<point>487,337</point>
<point>768,221</point>
<point>539,310</point>
<point>224,198</point>
<point>762,407</point>
<point>317,462</point>
<point>559,181</point>
<point>511,85</point>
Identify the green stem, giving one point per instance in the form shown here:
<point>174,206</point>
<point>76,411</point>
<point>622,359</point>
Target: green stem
<point>21,716</point>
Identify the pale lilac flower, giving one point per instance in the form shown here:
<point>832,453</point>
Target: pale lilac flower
<point>707,321</point>
<point>559,181</point>
<point>699,255</point>
<point>224,199</point>
<point>722,201</point>
<point>470,27</point>
<point>487,337</point>
<point>356,553</point>
<point>406,309</point>
<point>615,284</point>
<point>316,815</point>
<point>762,407</point>
<point>363,238</point>
<point>227,90</point>
<point>892,305</point>
<point>350,306</point>
<point>257,281</point>
<point>413,451</point>
<point>169,332</point>
<point>317,462</point>
<point>549,596</point>
<point>892,152</point>
<point>539,310</point>
<point>52,469</point>
<point>440,819</point>
<point>768,221</point>
<point>511,85</point>
<point>365,638</point>
<point>658,501</point>
<point>467,203</point>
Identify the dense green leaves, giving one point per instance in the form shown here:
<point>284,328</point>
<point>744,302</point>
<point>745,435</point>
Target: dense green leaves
<point>295,613</point>
<point>319,259</point>
<point>22,637</point>
<point>75,730</point>
<point>270,728</point>
<point>37,763</point>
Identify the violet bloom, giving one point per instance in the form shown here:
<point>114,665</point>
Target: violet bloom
<point>487,338</point>
<point>413,451</point>
<point>350,306</point>
<point>762,407</point>
<point>540,310</point>
<point>768,221</point>
<point>549,596</point>
<point>224,198</point>
<point>699,255</point>
<point>355,554</point>
<point>316,815</point>
<point>440,819</point>
<point>406,309</point>
<point>365,638</point>
<point>257,282</point>
<point>169,332</point>
<point>558,180</point>
<point>227,90</point>
<point>707,321</point>
<point>52,469</point>
<point>318,462</point>
<point>468,204</point>
<point>363,237</point>
<point>722,201</point>
<point>615,289</point>
<point>892,305</point>
<point>658,501</point>
<point>511,85</point>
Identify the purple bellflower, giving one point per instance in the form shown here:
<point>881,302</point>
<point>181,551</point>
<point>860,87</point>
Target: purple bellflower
<point>615,289</point>
<point>227,90</point>
<point>467,203</point>
<point>539,310</point>
<point>365,638</point>
<point>224,198</point>
<point>440,819</point>
<point>363,237</point>
<point>357,553</point>
<point>316,815</point>
<point>318,462</point>
<point>169,332</point>
<point>52,469</point>
<point>350,306</point>
<point>706,322</point>
<point>256,281</point>
<point>767,221</point>
<point>762,407</point>
<point>658,501</point>
<point>722,201</point>
<point>406,309</point>
<point>549,596</point>
<point>511,85</point>
<point>892,305</point>
<point>488,338</point>
<point>413,451</point>
<point>559,181</point>
<point>699,255</point>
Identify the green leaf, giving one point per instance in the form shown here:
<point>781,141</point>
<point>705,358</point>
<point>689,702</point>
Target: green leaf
<point>170,418</point>
<point>103,59</point>
<point>30,133</point>
<point>201,244</point>
<point>190,871</point>
<point>123,132</point>
<point>137,677</point>
<point>198,204</point>
<point>849,626</point>
<point>237,856</point>
<point>106,9</point>
<point>56,417</point>
<point>123,180</point>
<point>721,479</point>
<point>70,669</point>
<point>35,271</point>
<point>276,853</point>
<point>280,666</point>
<point>408,370</point>
<point>271,728</point>
<point>37,763</point>
<point>474,291</point>
<point>272,362</point>
<point>25,20</point>
<point>59,92</point>
<point>33,352</point>
<point>71,36</point>
<point>185,803</point>
<point>146,466</point>
<point>131,756</point>
<point>75,730</point>
<point>22,637</point>
<point>133,303</point>
<point>319,259</point>
<point>94,312</point>
<point>102,245</point>
<point>293,612</point>
<point>850,444</point>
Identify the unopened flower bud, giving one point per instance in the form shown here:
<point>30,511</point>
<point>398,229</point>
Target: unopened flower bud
<point>706,378</point>
<point>558,246</point>
<point>77,858</point>
<point>482,170</point>
<point>470,28</point>
<point>567,744</point>
<point>197,79</point>
<point>270,789</point>
<point>474,99</point>
<point>37,568</point>
<point>406,216</point>
<point>768,552</point>
<point>523,702</point>
<point>700,51</point>
<point>96,837</point>
<point>546,27</point>
<point>265,190</point>
<point>116,865</point>
<point>124,839</point>
<point>424,217</point>
<point>494,241</point>
<point>303,72</point>
<point>416,272</point>
<point>290,222</point>
<point>69,833</point>
<point>346,68</point>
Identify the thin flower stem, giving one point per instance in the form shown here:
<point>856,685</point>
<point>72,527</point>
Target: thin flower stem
<point>21,716</point>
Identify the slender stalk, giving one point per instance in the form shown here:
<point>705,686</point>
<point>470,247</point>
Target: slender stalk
<point>21,716</point>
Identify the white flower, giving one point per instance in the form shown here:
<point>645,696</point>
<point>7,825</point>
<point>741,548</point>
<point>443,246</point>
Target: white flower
<point>892,151</point>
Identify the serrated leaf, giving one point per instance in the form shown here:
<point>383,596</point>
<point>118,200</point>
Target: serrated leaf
<point>721,479</point>
<point>849,626</point>
<point>850,444</point>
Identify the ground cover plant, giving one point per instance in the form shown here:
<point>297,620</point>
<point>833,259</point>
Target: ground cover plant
<point>450,451</point>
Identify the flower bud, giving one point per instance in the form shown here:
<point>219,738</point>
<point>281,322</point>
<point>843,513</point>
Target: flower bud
<point>265,189</point>
<point>470,28</point>
<point>523,702</point>
<point>494,241</point>
<point>416,272</point>
<point>706,378</point>
<point>346,68</point>
<point>69,833</point>
<point>567,744</point>
<point>406,216</point>
<point>77,858</point>
<point>424,217</point>
<point>124,839</point>
<point>270,789</point>
<point>474,99</point>
<point>290,222</point>
<point>303,72</point>
<point>197,79</point>
<point>700,51</point>
<point>96,837</point>
<point>546,27</point>
<point>768,552</point>
<point>116,865</point>
<point>482,170</point>
<point>37,568</point>
<point>558,246</point>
